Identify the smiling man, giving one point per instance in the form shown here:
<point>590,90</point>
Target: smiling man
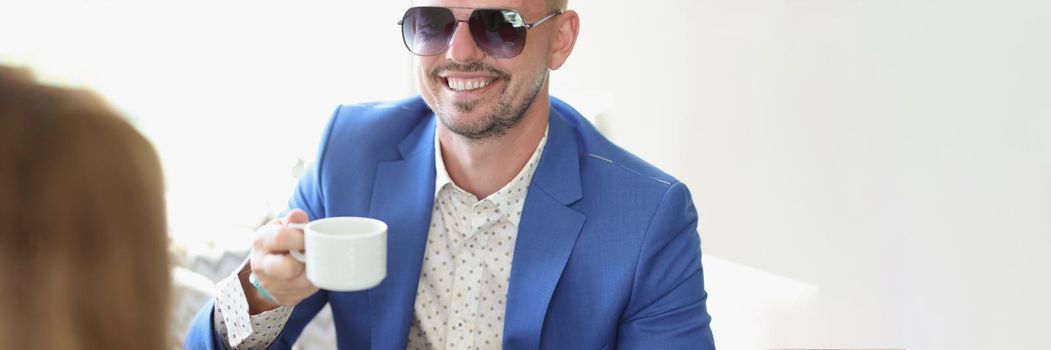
<point>512,223</point>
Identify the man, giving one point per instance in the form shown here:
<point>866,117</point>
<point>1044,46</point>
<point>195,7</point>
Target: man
<point>512,223</point>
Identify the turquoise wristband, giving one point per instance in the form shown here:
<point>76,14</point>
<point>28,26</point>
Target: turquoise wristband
<point>255,283</point>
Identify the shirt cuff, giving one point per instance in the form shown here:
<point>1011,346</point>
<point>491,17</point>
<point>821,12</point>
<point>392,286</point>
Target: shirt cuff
<point>238,329</point>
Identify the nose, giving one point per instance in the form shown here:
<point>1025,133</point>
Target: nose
<point>462,48</point>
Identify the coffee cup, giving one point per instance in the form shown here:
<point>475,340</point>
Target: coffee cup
<point>344,253</point>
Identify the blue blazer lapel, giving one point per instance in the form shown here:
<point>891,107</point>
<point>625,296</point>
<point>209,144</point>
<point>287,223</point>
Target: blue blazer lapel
<point>546,235</point>
<point>402,196</point>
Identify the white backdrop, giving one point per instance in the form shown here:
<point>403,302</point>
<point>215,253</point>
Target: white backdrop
<point>232,93</point>
<point>894,154</point>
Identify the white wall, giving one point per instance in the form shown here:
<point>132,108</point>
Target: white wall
<point>232,93</point>
<point>896,154</point>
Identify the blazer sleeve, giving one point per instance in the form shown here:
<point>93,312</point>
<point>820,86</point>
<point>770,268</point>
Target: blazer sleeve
<point>667,307</point>
<point>308,196</point>
<point>301,316</point>
<point>202,334</point>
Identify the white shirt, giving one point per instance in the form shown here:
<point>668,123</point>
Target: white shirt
<point>462,292</point>
<point>461,297</point>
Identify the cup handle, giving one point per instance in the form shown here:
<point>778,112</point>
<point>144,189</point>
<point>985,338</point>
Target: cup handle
<point>299,255</point>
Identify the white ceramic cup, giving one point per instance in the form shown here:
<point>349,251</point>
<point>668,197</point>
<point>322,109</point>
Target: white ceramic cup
<point>344,253</point>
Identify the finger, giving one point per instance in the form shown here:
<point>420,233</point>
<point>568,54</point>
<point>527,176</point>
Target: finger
<point>297,216</point>
<point>281,266</point>
<point>282,240</point>
<point>265,232</point>
<point>277,238</point>
<point>255,260</point>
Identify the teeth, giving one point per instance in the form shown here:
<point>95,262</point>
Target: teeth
<point>467,84</point>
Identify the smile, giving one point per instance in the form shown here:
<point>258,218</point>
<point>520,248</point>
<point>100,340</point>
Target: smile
<point>460,84</point>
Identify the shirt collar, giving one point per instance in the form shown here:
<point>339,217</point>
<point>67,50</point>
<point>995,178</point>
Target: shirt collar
<point>510,199</point>
<point>441,177</point>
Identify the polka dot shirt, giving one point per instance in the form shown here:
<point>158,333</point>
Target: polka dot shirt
<point>467,265</point>
<point>238,329</point>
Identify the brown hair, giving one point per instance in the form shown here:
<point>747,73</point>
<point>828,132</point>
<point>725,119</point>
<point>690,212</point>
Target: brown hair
<point>83,249</point>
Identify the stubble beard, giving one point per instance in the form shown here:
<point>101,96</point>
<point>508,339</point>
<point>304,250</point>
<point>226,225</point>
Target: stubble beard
<point>505,116</point>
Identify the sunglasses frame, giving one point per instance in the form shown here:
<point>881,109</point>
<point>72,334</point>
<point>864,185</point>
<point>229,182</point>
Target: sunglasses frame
<point>445,47</point>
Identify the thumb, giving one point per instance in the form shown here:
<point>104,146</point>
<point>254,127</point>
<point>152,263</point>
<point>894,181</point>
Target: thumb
<point>296,216</point>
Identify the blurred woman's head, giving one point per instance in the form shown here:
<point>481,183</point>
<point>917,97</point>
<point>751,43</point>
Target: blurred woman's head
<point>83,262</point>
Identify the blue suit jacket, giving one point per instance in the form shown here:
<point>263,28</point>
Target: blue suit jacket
<point>607,254</point>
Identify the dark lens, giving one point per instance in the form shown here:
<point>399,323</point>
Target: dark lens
<point>500,33</point>
<point>427,30</point>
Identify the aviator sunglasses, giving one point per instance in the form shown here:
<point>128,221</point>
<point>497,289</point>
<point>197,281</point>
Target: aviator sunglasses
<point>500,33</point>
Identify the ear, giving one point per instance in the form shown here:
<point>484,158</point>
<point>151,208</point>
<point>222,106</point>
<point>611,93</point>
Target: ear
<point>565,37</point>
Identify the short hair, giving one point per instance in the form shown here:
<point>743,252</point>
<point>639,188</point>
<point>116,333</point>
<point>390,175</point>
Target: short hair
<point>555,5</point>
<point>83,243</point>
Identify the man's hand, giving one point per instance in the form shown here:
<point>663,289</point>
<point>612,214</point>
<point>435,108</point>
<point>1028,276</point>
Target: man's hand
<point>279,273</point>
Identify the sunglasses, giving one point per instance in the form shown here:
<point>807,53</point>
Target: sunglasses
<point>427,31</point>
